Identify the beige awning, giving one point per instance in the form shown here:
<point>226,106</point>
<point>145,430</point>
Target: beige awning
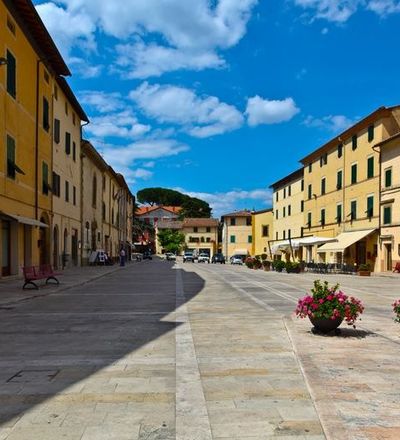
<point>344,240</point>
<point>25,220</point>
<point>312,240</point>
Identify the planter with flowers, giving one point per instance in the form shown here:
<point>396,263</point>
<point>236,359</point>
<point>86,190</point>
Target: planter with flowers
<point>396,310</point>
<point>328,306</point>
<point>364,270</point>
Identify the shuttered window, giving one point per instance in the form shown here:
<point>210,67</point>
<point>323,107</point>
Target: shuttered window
<point>387,215</point>
<point>354,173</point>
<point>57,131</point>
<point>45,178</point>
<point>370,167</point>
<point>370,206</point>
<point>10,157</point>
<point>67,143</point>
<point>46,120</point>
<point>11,74</point>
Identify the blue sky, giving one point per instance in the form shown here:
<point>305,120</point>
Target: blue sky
<point>221,98</point>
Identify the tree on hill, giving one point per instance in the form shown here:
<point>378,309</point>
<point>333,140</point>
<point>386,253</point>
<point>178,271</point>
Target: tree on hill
<point>171,240</point>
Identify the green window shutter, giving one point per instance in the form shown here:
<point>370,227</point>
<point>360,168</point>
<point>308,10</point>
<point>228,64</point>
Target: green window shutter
<point>302,206</point>
<point>340,150</point>
<point>250,239</point>
<point>339,180</point>
<point>339,213</point>
<point>354,142</point>
<point>67,143</point>
<point>387,215</point>
<point>45,178</point>
<point>11,74</point>
<point>309,219</point>
<point>370,206</point>
<point>388,178</point>
<point>309,191</point>
<point>46,123</point>
<point>370,167</point>
<point>57,131</point>
<point>289,210</point>
<point>354,173</point>
<point>323,186</point>
<point>233,239</point>
<point>322,217</point>
<point>353,210</point>
<point>371,133</point>
<point>10,157</point>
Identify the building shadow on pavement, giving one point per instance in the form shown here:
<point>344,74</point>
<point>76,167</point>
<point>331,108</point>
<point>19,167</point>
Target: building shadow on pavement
<point>50,346</point>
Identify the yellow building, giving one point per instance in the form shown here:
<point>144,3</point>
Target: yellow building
<point>66,235</point>
<point>341,191</point>
<point>201,235</point>
<point>389,238</point>
<point>30,62</point>
<point>262,231</point>
<point>237,238</point>
<point>288,211</point>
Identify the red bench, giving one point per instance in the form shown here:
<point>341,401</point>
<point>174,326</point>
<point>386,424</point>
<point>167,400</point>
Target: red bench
<point>43,272</point>
<point>397,268</point>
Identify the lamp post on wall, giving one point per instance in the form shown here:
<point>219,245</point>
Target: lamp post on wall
<point>3,61</point>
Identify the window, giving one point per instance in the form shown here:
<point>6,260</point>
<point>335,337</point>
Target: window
<point>73,118</point>
<point>94,192</point>
<point>370,167</point>
<point>354,173</point>
<point>354,142</point>
<point>11,26</point>
<point>10,157</point>
<point>66,108</point>
<point>323,160</point>
<point>339,214</point>
<point>208,229</point>
<point>302,206</point>
<point>370,206</point>
<point>289,190</point>
<point>302,184</point>
<point>276,214</point>
<point>195,229</point>
<point>388,178</point>
<point>289,210</point>
<point>309,219</point>
<point>276,236</point>
<point>45,178</point>
<point>322,219</point>
<point>233,238</point>
<point>248,221</point>
<point>56,93</point>
<point>310,167</point>
<point>339,179</point>
<point>309,191</point>
<point>103,211</point>
<point>67,143</point>
<point>265,230</point>
<point>284,234</point>
<point>340,150</point>
<point>66,191</point>
<point>250,239</point>
<point>387,215</point>
<point>277,196</point>
<point>323,186</point>
<point>233,222</point>
<point>57,131</point>
<point>56,184</point>
<point>289,233</point>
<point>74,195</point>
<point>371,133</point>
<point>74,151</point>
<point>284,211</point>
<point>353,210</point>
<point>46,121</point>
<point>284,193</point>
<point>11,75</point>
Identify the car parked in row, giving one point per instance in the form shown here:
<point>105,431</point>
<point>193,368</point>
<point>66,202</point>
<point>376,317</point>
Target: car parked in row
<point>170,256</point>
<point>218,258</point>
<point>188,257</point>
<point>203,258</point>
<point>238,259</point>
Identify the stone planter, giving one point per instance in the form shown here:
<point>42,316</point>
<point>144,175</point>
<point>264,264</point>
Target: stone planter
<point>325,325</point>
<point>364,273</point>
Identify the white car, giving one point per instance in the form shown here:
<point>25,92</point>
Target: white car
<point>169,256</point>
<point>237,259</point>
<point>203,258</point>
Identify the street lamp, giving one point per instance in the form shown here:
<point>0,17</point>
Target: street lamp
<point>3,61</point>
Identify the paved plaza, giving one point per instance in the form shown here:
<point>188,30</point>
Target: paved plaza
<point>163,351</point>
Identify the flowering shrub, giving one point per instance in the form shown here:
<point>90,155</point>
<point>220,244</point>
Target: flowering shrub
<point>396,310</point>
<point>330,302</point>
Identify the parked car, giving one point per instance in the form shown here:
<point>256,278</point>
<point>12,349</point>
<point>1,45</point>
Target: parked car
<point>203,258</point>
<point>169,256</point>
<point>188,256</point>
<point>237,259</point>
<point>218,258</point>
<point>147,255</point>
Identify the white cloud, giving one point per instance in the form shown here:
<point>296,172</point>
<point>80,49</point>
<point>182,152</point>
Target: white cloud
<point>123,124</point>
<point>84,68</point>
<point>264,111</point>
<point>223,203</point>
<point>191,31</point>
<point>334,123</point>
<point>340,11</point>
<point>200,116</point>
<point>100,101</point>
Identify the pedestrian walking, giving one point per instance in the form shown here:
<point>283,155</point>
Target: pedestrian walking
<point>122,257</point>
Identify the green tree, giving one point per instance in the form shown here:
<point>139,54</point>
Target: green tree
<point>171,240</point>
<point>161,196</point>
<point>195,208</point>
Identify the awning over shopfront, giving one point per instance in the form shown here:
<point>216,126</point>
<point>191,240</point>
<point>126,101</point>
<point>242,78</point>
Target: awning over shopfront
<point>241,252</point>
<point>313,240</point>
<point>344,240</point>
<point>25,220</point>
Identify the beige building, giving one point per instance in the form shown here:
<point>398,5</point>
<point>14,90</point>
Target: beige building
<point>262,231</point>
<point>389,238</point>
<point>237,237</point>
<point>201,235</point>
<point>288,209</point>
<point>341,191</point>
<point>66,178</point>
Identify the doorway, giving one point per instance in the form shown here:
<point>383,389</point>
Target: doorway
<point>388,256</point>
<point>74,247</point>
<point>6,248</point>
<point>361,254</point>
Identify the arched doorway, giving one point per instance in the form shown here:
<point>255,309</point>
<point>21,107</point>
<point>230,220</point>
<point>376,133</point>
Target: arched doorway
<point>55,247</point>
<point>44,241</point>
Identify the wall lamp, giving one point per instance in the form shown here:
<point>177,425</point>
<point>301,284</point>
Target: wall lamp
<point>3,61</point>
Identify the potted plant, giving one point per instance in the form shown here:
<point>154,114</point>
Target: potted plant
<point>292,267</point>
<point>249,262</point>
<point>278,265</point>
<point>266,265</point>
<point>396,310</point>
<point>328,306</point>
<point>257,264</point>
<point>364,270</point>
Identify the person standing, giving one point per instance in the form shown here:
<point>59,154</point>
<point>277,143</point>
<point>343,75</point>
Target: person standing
<point>122,257</point>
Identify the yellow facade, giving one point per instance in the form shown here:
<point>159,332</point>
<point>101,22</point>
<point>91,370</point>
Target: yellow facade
<point>341,187</point>
<point>237,237</point>
<point>389,239</point>
<point>262,231</point>
<point>26,87</point>
<point>201,235</point>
